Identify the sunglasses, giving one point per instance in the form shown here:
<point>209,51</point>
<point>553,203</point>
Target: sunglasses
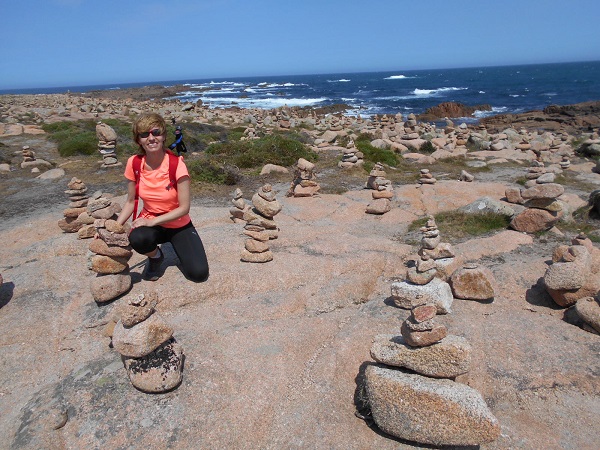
<point>155,132</point>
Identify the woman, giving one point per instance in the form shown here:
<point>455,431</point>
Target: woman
<point>165,216</point>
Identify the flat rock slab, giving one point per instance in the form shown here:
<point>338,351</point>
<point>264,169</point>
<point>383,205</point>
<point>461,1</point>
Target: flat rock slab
<point>437,412</point>
<point>447,359</point>
<point>407,295</point>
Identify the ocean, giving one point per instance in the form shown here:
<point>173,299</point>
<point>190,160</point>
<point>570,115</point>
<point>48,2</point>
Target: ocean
<point>507,89</point>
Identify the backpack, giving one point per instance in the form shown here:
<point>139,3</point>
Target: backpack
<point>137,166</point>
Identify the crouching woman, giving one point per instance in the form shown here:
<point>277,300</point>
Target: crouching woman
<point>162,182</point>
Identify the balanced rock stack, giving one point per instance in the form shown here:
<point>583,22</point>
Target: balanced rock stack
<point>574,273</point>
<point>76,218</point>
<point>382,191</point>
<point>423,404</point>
<point>538,174</point>
<point>351,156</point>
<point>109,257</point>
<point>152,357</point>
<point>239,206</point>
<point>29,159</point>
<point>260,226</point>
<point>426,177</point>
<point>426,276</point>
<point>107,145</point>
<point>304,184</point>
<point>543,209</point>
<point>565,162</point>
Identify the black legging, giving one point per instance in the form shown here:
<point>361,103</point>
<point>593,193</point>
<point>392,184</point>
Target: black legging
<point>186,243</point>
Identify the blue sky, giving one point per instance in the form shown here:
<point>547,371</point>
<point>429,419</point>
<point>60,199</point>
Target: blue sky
<point>51,43</point>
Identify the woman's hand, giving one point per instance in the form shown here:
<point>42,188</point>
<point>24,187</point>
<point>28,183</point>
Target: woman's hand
<point>142,222</point>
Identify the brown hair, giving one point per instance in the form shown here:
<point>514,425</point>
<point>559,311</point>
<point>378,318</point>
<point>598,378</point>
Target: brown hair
<point>147,122</point>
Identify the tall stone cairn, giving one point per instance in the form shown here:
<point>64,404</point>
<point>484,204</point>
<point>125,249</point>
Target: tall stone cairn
<point>382,191</point>
<point>260,226</point>
<point>109,258</point>
<point>421,403</point>
<point>351,156</point>
<point>427,274</point>
<point>239,206</point>
<point>152,357</point>
<point>107,145</point>
<point>304,183</point>
<point>76,218</point>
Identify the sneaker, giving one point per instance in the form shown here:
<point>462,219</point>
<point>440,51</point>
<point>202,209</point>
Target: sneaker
<point>152,272</point>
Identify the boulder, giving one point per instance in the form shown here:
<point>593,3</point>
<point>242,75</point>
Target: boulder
<point>159,371</point>
<point>436,412</point>
<point>588,308</point>
<point>407,295</point>
<point>473,282</point>
<point>105,288</point>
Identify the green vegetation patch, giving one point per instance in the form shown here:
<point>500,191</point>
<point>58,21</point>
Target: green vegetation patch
<point>274,149</point>
<point>207,171</point>
<point>374,155</point>
<point>458,224</point>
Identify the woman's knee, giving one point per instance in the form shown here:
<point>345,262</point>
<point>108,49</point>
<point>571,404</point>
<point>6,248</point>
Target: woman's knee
<point>197,274</point>
<point>141,240</point>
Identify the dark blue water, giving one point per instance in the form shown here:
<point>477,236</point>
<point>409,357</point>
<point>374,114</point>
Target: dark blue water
<point>507,89</point>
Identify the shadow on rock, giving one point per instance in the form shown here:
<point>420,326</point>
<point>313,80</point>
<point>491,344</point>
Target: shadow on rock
<point>538,296</point>
<point>6,293</point>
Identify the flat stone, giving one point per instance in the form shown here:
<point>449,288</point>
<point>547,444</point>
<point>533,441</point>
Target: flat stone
<point>142,338</point>
<point>69,225</point>
<point>423,313</point>
<point>429,411</point>
<point>437,292</point>
<point>546,190</point>
<point>108,264</point>
<point>86,232</point>
<point>100,247</point>
<point>379,206</point>
<point>532,220</point>
<point>447,359</point>
<point>263,257</point>
<point>423,338</point>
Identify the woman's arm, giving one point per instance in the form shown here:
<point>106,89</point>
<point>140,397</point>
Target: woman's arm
<point>129,204</point>
<point>183,196</point>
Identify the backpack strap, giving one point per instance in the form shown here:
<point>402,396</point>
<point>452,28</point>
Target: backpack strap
<point>137,168</point>
<point>173,162</point>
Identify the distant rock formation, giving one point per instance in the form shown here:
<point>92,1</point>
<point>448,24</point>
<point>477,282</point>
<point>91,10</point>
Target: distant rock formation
<point>450,109</point>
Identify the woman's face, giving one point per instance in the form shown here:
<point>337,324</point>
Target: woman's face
<point>151,141</point>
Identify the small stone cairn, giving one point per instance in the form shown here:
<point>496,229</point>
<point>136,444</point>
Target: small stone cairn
<point>107,145</point>
<point>382,191</point>
<point>351,157</point>
<point>30,161</point>
<point>574,273</point>
<point>543,209</point>
<point>304,184</point>
<point>76,218</point>
<point>426,276</point>
<point>423,404</point>
<point>239,206</point>
<point>426,177</point>
<point>260,226</point>
<point>109,257</point>
<point>565,162</point>
<point>152,357</point>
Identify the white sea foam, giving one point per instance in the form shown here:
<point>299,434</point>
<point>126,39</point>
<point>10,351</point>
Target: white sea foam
<point>495,110</point>
<point>264,103</point>
<point>549,94</point>
<point>343,80</point>
<point>482,92</point>
<point>514,95</point>
<point>433,92</point>
<point>397,77</point>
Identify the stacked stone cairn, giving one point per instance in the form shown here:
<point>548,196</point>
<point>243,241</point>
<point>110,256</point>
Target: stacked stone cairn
<point>260,226</point>
<point>423,404</point>
<point>351,157</point>
<point>565,162</point>
<point>426,177</point>
<point>543,207</point>
<point>107,145</point>
<point>30,161</point>
<point>574,273</point>
<point>76,217</point>
<point>109,258</point>
<point>239,206</point>
<point>304,184</point>
<point>382,191</point>
<point>426,276</point>
<point>151,356</point>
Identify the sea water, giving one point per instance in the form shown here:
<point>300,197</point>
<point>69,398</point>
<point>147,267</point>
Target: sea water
<point>506,89</point>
